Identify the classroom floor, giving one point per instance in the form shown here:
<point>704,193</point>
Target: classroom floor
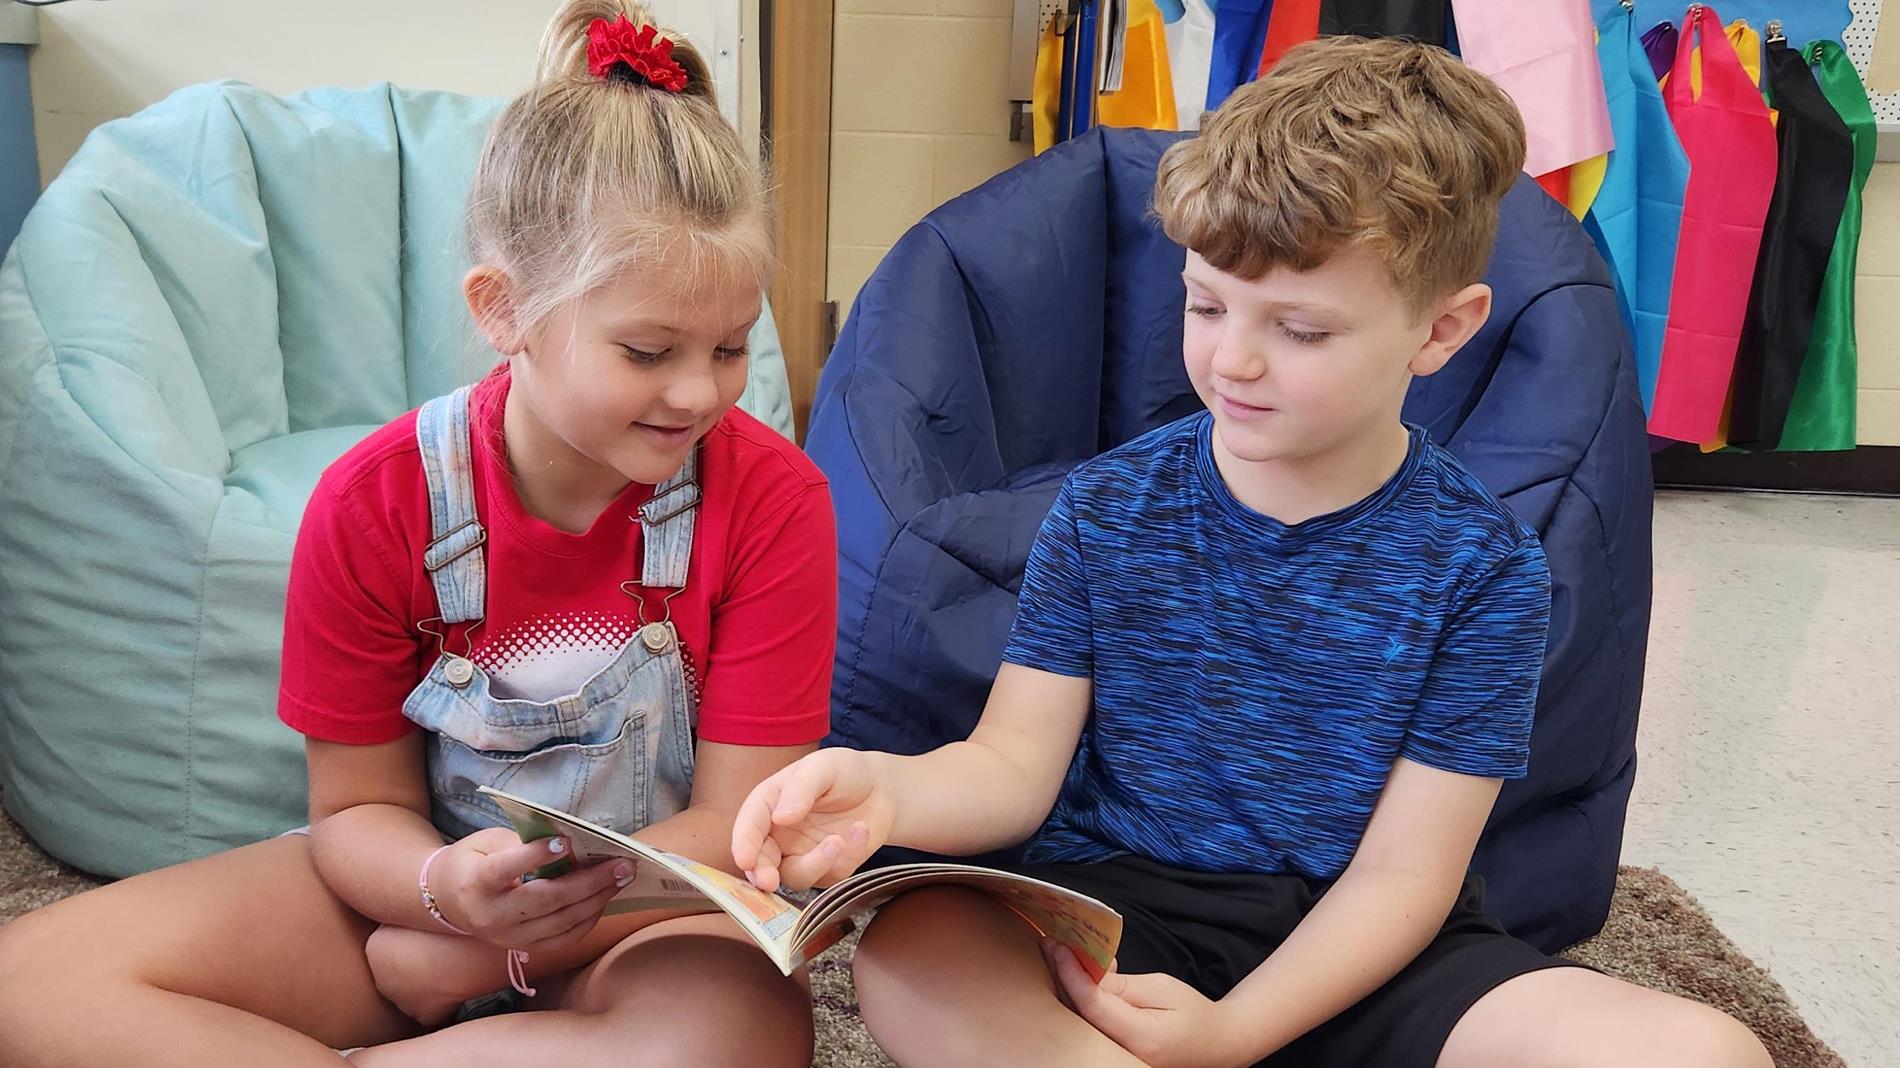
<point>1769,782</point>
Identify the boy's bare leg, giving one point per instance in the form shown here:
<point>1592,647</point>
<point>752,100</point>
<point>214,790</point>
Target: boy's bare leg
<point>240,958</point>
<point>685,991</point>
<point>947,976</point>
<point>1571,1016</point>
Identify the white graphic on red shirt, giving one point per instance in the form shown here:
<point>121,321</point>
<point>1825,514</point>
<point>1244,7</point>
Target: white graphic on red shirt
<point>552,655</point>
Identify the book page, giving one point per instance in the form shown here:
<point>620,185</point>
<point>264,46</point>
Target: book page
<point>654,886</point>
<point>1090,928</point>
<point>856,895</point>
<point>768,917</point>
<point>1085,925</point>
<point>663,880</point>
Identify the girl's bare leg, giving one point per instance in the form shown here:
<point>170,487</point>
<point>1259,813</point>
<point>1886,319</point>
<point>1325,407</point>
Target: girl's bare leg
<point>685,991</point>
<point>240,958</point>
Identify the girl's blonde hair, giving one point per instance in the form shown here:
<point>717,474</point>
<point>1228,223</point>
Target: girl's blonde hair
<point>582,176</point>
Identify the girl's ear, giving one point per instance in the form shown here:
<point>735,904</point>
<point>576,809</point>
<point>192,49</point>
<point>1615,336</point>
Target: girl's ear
<point>489,301</point>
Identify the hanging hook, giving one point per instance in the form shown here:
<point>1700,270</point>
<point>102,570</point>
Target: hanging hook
<point>1628,5</point>
<point>1774,32</point>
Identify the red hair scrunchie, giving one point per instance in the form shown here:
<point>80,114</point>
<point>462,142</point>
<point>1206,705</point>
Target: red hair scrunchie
<point>645,55</point>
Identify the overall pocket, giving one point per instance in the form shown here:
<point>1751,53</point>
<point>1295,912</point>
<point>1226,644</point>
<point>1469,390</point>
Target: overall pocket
<point>603,783</point>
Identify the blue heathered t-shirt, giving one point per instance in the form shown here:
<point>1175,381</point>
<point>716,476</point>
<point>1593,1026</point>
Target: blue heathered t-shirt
<point>1254,682</point>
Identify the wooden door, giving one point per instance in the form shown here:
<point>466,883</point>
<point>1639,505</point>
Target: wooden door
<point>795,52</point>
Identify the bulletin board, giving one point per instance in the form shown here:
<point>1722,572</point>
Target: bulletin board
<point>1860,40</point>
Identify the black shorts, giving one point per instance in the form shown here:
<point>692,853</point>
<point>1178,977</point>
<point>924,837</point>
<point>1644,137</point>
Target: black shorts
<point>1211,931</point>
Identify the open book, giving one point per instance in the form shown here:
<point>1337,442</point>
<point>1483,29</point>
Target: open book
<point>792,935</point>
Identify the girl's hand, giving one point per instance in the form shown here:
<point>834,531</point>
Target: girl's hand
<point>478,886</point>
<point>814,822</point>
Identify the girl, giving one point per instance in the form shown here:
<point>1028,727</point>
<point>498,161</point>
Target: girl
<point>587,579</point>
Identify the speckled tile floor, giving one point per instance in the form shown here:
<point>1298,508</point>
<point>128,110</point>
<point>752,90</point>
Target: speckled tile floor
<point>1769,782</point>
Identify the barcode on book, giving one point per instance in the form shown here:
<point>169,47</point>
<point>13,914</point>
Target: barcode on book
<point>678,886</point>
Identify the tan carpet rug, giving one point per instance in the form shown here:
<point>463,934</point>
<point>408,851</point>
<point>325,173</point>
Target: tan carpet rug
<point>1656,935</point>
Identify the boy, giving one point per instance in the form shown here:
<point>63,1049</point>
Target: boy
<point>1285,651</point>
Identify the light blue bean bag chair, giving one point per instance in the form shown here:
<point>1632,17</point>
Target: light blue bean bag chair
<point>214,300</point>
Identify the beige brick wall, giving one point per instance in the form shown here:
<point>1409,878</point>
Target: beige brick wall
<point>1878,309</point>
<point>919,114</point>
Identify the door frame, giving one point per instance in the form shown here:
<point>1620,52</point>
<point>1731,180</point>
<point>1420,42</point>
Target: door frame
<point>795,132</point>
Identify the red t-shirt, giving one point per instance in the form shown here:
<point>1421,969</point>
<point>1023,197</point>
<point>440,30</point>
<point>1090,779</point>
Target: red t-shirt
<point>758,616</point>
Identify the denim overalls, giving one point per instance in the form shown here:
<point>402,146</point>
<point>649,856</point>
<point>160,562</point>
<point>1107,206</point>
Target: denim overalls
<point>618,751</point>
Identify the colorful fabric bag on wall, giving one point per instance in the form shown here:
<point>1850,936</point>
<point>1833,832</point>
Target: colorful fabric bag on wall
<point>1420,20</point>
<point>1730,142</point>
<point>1659,44</point>
<point>1638,212</point>
<point>1146,98</point>
<point>1544,56</point>
<point>1821,415</point>
<point>1190,54</point>
<point>1293,22</point>
<point>1240,35</point>
<point>1747,44</point>
<point>1815,169</point>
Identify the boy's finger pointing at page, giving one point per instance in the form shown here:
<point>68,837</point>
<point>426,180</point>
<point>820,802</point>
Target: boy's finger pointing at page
<point>752,827</point>
<point>770,858</point>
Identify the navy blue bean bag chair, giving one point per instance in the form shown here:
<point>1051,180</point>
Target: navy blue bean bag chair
<point>1036,321</point>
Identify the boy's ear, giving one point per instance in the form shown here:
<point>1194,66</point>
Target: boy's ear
<point>490,302</point>
<point>1459,317</point>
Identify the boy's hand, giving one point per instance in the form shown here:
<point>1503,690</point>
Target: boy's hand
<point>1161,1020</point>
<point>814,822</point>
<point>478,886</point>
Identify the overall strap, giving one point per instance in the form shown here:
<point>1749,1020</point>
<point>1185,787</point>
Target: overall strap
<point>454,559</point>
<point>666,524</point>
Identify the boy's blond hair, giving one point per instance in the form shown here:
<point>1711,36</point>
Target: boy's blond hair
<point>582,177</point>
<point>1387,145</point>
